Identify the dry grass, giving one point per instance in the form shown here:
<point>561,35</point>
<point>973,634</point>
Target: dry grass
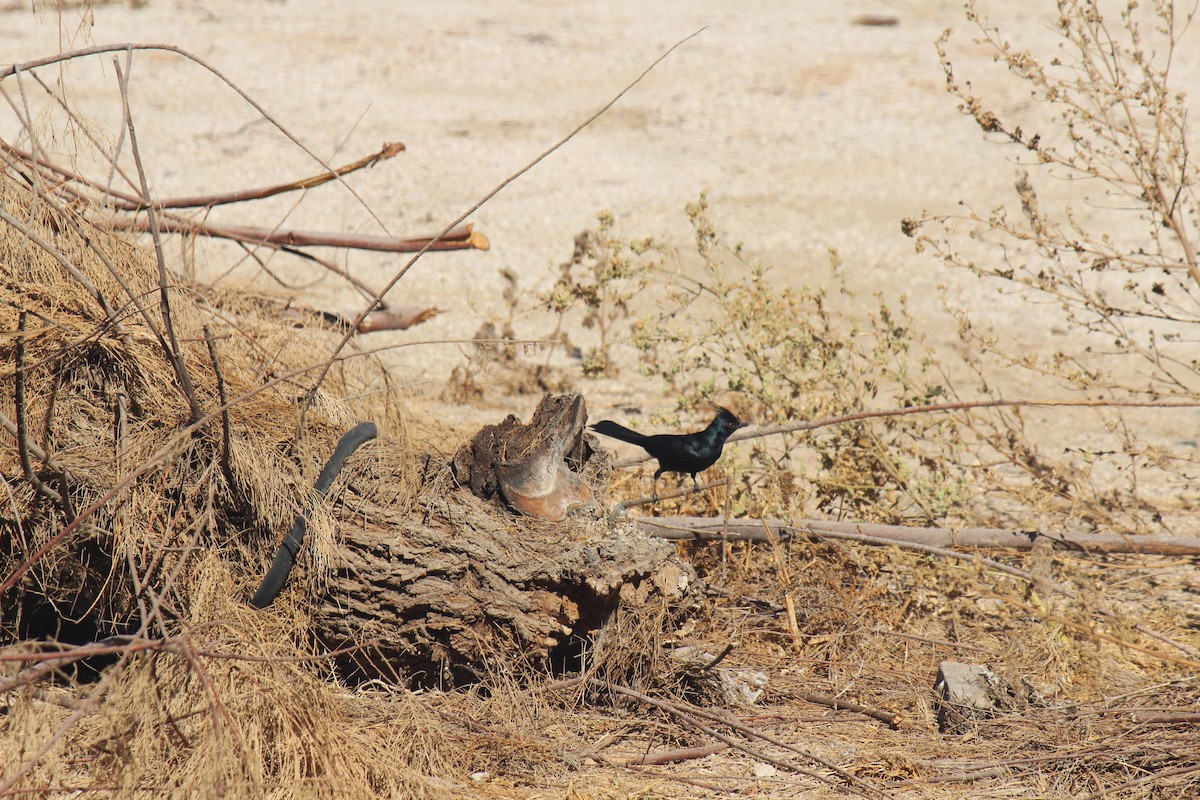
<point>212,696</point>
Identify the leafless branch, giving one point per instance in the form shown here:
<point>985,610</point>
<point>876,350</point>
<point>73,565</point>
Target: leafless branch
<point>718,529</point>
<point>396,318</point>
<point>389,150</point>
<point>619,508</point>
<point>174,353</point>
<point>675,756</point>
<point>692,716</point>
<point>889,719</point>
<point>130,46</point>
<point>226,467</point>
<point>1165,718</point>
<point>465,238</point>
<point>22,431</point>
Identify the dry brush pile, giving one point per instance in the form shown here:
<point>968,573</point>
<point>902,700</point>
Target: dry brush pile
<point>139,512</point>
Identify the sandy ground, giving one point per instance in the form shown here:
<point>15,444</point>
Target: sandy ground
<point>807,130</point>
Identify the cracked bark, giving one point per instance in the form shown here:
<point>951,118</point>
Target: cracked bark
<point>457,585</point>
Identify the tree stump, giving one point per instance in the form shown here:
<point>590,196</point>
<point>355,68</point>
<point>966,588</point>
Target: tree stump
<point>455,585</point>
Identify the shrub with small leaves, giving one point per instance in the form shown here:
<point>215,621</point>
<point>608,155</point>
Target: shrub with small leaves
<point>736,329</point>
<point>1099,240</point>
<point>597,282</point>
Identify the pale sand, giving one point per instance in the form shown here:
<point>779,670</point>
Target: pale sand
<point>807,131</point>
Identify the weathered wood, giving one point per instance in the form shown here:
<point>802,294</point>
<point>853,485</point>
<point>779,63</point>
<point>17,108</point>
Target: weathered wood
<point>541,469</point>
<point>456,585</point>
<point>755,530</point>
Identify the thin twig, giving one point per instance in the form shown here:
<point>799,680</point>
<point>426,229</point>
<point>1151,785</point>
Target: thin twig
<point>33,674</point>
<point>720,591</point>
<point>719,658</point>
<point>974,648</point>
<point>619,508</point>
<point>957,777</point>
<point>789,600</point>
<point>363,289</point>
<point>341,651</point>
<point>389,150</point>
<point>730,719</point>
<point>226,438</point>
<point>102,647</point>
<point>712,787</point>
<point>399,318</point>
<point>674,756</point>
<point>65,701</point>
<point>174,354</point>
<point>138,586</point>
<point>605,741</point>
<point>889,719</point>
<point>28,119</point>
<point>118,146</point>
<point>468,240</point>
<point>15,429</point>
<point>687,718</point>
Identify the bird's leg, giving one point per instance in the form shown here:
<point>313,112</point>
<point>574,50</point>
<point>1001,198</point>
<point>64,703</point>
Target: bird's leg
<point>654,493</point>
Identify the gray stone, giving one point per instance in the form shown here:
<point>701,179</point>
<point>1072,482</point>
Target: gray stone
<point>965,694</point>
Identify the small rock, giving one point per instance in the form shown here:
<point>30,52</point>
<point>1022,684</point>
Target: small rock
<point>964,694</point>
<point>736,686</point>
<point>763,770</point>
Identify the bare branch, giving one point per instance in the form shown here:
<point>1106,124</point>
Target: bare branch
<point>675,756</point>
<point>719,529</point>
<point>389,150</point>
<point>464,238</point>
<point>130,46</point>
<point>174,354</point>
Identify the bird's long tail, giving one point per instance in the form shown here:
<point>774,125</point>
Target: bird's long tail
<point>610,428</point>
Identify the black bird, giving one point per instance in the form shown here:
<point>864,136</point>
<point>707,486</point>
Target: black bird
<point>679,452</point>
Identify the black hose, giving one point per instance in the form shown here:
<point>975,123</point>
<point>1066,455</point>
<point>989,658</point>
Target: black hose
<point>285,558</point>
